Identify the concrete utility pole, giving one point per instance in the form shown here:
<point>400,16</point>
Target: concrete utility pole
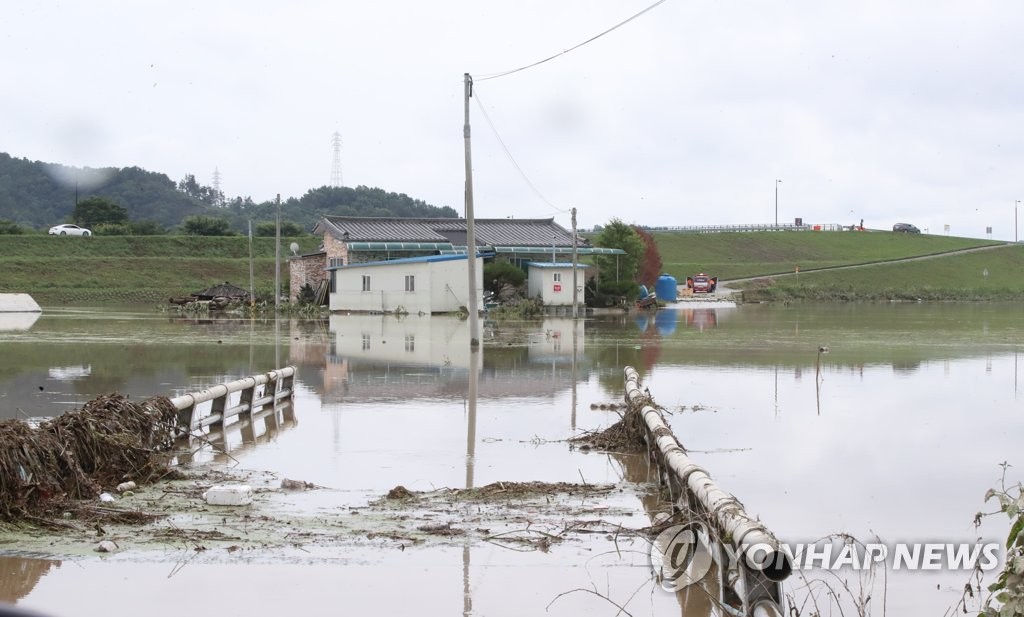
<point>277,258</point>
<point>252,276</point>
<point>575,294</point>
<point>1015,205</point>
<point>777,182</point>
<point>474,311</point>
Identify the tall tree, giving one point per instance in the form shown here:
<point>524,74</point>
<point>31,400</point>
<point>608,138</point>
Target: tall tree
<point>650,263</point>
<point>98,211</point>
<point>618,272</point>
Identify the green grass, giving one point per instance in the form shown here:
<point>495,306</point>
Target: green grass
<point>951,277</point>
<point>743,255</point>
<point>73,270</point>
<point>125,269</point>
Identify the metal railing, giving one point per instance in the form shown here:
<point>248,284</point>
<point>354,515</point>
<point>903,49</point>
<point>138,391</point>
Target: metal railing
<point>257,395</point>
<point>710,229</point>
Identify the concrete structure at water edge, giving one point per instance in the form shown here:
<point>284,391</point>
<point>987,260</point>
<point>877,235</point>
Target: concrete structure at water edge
<point>18,311</point>
<point>18,303</point>
<point>552,282</point>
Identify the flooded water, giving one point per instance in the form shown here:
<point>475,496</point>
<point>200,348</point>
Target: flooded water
<point>871,420</point>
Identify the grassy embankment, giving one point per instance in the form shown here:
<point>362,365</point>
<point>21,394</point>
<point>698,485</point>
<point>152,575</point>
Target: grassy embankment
<point>773,256</point>
<point>72,270</point>
<point>116,269</point>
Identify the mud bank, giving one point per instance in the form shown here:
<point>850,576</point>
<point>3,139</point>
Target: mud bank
<point>288,515</point>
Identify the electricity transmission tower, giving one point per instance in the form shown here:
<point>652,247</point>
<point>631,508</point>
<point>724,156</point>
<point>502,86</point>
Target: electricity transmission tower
<point>336,162</point>
<point>217,194</point>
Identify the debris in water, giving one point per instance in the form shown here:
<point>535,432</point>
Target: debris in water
<point>75,454</point>
<point>106,546</point>
<point>400,492</point>
<point>626,435</point>
<point>229,495</point>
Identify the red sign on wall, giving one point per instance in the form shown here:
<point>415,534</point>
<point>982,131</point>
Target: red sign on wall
<point>558,288</point>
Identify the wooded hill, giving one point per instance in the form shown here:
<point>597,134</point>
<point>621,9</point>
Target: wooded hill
<point>37,195</point>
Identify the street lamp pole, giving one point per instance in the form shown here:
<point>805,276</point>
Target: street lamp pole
<point>777,182</point>
<point>1015,205</point>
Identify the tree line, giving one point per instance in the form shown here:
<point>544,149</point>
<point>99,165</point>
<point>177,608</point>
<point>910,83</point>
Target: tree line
<point>35,196</point>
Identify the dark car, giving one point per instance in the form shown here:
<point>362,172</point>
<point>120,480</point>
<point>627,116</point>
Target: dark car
<point>906,228</point>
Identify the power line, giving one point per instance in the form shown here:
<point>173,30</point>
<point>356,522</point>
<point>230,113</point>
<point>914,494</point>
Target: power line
<point>479,103</point>
<point>573,48</point>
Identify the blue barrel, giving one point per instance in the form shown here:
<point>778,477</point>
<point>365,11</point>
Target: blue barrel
<point>665,288</point>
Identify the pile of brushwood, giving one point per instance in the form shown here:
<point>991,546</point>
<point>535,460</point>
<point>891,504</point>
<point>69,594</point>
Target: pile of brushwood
<point>629,434</point>
<point>76,455</point>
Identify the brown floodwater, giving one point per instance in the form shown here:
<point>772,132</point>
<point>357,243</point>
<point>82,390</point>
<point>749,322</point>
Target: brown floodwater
<point>895,430</point>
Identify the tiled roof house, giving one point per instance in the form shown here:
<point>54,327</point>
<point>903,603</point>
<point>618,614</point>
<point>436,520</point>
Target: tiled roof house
<point>359,240</point>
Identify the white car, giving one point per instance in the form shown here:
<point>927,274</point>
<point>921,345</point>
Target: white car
<point>69,230</point>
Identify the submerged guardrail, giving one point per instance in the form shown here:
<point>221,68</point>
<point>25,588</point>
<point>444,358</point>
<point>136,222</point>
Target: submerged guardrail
<point>260,395</point>
<point>757,582</point>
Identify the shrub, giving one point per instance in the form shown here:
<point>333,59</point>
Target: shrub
<point>10,228</point>
<point>500,273</point>
<point>206,226</point>
<point>111,229</point>
<point>146,228</point>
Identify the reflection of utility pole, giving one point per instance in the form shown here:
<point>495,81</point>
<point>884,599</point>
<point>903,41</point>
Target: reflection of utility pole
<point>776,390</point>
<point>467,594</point>
<point>575,323</point>
<point>474,361</point>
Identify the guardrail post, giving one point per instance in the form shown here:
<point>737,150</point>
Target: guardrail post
<point>217,409</point>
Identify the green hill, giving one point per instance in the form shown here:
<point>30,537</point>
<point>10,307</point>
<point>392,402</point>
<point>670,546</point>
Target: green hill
<point>37,195</point>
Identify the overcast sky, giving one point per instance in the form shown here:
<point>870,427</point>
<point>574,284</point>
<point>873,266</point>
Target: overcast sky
<point>886,111</point>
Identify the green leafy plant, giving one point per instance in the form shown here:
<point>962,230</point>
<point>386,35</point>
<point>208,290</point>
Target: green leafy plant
<point>1008,590</point>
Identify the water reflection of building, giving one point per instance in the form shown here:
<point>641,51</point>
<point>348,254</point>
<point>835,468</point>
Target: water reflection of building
<point>386,357</point>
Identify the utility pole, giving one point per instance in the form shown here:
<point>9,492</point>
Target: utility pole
<point>474,311</point>
<point>252,274</point>
<point>777,182</point>
<point>277,259</point>
<point>1015,205</point>
<point>575,294</point>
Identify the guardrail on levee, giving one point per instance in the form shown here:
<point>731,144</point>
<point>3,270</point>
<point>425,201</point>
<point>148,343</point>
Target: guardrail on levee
<point>710,229</point>
<point>251,398</point>
<point>694,492</point>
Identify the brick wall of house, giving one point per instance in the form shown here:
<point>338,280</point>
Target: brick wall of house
<point>335,249</point>
<point>304,269</point>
